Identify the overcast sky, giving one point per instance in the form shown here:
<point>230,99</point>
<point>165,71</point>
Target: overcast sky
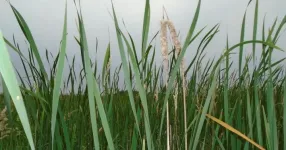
<point>45,19</point>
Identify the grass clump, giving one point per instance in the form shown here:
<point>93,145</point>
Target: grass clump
<point>207,106</point>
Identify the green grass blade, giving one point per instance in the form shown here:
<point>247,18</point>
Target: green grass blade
<point>211,91</point>
<point>284,113</point>
<point>280,27</point>
<point>257,107</point>
<point>262,71</point>
<point>14,48</point>
<point>93,90</point>
<point>263,35</point>
<point>249,115</point>
<point>65,130</point>
<point>90,86</point>
<point>267,129</point>
<point>146,26</point>
<point>28,35</point>
<point>219,142</point>
<point>225,93</point>
<point>134,142</point>
<point>105,63</point>
<point>196,35</point>
<point>134,48</point>
<point>271,109</point>
<point>125,70</point>
<point>255,24</point>
<point>216,132</point>
<point>103,116</point>
<point>59,75</point>
<point>241,46</point>
<point>9,77</point>
<point>255,41</point>
<point>59,141</point>
<point>142,93</point>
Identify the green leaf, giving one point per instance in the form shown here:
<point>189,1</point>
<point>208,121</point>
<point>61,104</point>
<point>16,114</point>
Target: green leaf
<point>204,111</point>
<point>28,35</point>
<point>225,93</point>
<point>59,75</point>
<point>106,61</point>
<point>284,113</point>
<point>125,70</point>
<point>142,93</point>
<point>9,77</point>
<point>241,40</point>
<point>90,85</point>
<point>146,26</point>
<point>93,90</point>
<point>255,24</point>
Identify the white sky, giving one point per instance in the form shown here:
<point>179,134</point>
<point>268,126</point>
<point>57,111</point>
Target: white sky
<point>45,19</point>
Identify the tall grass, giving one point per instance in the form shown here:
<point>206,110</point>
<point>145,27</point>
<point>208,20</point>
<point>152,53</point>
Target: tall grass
<point>214,108</point>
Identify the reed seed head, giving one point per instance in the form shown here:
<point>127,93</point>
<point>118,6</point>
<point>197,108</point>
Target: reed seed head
<point>4,130</point>
<point>164,49</point>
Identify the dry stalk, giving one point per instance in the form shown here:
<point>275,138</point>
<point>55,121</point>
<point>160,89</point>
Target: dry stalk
<point>177,44</point>
<point>164,46</point>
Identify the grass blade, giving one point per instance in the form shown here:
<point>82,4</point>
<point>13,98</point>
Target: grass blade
<point>211,91</point>
<point>225,93</point>
<point>125,70</point>
<point>241,46</point>
<point>9,77</point>
<point>59,75</point>
<point>255,24</point>
<point>28,35</point>
<point>234,131</point>
<point>93,90</point>
<point>284,113</point>
<point>105,63</point>
<point>142,93</point>
<point>90,86</point>
<point>146,25</point>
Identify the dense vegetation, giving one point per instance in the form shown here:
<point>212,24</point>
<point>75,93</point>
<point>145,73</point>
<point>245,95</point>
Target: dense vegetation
<point>96,113</point>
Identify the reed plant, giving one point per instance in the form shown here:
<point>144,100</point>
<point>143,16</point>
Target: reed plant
<point>220,104</point>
